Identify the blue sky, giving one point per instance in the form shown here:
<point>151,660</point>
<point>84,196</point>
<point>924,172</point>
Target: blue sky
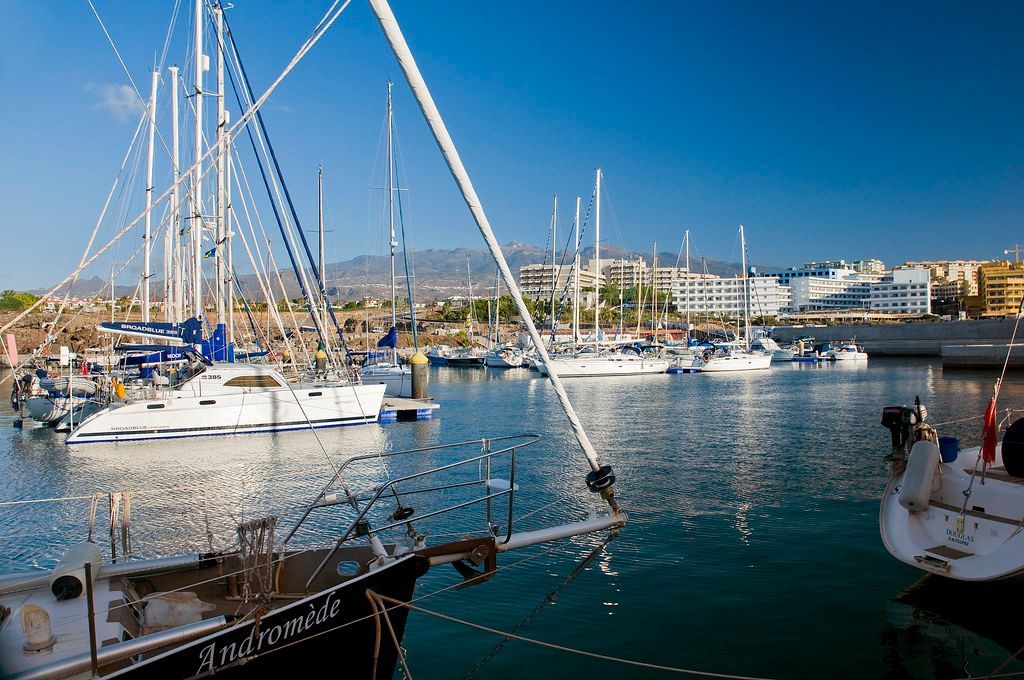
<point>886,130</point>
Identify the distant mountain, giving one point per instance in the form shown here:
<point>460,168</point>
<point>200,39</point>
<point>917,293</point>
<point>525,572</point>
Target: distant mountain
<point>437,273</point>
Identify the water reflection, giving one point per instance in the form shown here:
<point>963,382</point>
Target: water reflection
<point>939,628</point>
<point>753,505</point>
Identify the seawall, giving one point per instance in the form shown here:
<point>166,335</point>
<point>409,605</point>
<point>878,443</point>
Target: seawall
<point>914,339</point>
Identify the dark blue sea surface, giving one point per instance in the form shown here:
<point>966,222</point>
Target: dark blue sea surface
<point>752,546</point>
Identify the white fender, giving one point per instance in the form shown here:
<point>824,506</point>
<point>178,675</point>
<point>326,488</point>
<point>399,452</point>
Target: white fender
<point>919,476</point>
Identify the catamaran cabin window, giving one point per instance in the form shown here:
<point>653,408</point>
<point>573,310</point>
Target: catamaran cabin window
<point>253,381</point>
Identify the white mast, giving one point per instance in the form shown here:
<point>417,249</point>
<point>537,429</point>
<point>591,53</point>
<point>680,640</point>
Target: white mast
<point>686,238</point>
<point>175,225</point>
<point>391,219</point>
<point>746,291</point>
<point>469,277</point>
<point>597,258</point>
<point>148,236</point>
<point>229,279</point>
<point>576,276</point>
<point>221,294</point>
<point>389,25</point>
<point>554,269</point>
<point>320,235</point>
<point>320,216</point>
<point>197,181</point>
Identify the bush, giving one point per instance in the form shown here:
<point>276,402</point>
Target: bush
<point>13,301</point>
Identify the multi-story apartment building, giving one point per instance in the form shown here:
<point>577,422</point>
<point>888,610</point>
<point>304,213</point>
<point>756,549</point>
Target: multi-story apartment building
<point>713,296</point>
<point>951,271</point>
<point>1000,288</point>
<point>871,266</point>
<point>625,274</point>
<point>535,280</point>
<point>820,270</point>
<point>903,291</point>
<point>820,293</point>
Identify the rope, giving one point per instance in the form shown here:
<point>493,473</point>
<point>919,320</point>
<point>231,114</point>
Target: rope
<point>391,630</point>
<point>550,597</point>
<point>570,650</point>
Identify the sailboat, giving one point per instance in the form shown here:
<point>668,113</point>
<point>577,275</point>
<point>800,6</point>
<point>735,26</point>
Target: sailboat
<point>213,394</point>
<point>737,358</point>
<point>470,356</point>
<point>505,355</point>
<point>592,361</point>
<point>268,607</point>
<point>396,378</point>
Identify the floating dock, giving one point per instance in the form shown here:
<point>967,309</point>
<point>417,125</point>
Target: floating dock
<point>399,408</point>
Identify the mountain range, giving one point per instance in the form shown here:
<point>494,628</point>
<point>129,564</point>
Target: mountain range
<point>437,273</point>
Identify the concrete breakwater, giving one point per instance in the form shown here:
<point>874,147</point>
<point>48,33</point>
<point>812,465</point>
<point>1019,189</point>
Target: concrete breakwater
<point>914,339</point>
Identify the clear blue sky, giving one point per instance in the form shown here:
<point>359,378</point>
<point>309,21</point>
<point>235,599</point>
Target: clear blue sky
<point>888,130</point>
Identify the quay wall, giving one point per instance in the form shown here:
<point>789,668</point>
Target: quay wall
<point>914,339</point>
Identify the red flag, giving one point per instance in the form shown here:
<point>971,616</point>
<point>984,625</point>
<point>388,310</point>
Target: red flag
<point>988,440</point>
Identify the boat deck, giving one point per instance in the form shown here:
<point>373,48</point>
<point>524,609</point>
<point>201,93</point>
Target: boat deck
<point>998,473</point>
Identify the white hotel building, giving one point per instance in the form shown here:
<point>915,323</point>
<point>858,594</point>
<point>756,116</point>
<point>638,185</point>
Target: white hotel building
<point>903,291</point>
<point>724,296</point>
<point>535,280</point>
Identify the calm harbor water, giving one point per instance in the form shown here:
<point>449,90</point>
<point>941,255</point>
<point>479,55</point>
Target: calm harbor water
<point>752,546</point>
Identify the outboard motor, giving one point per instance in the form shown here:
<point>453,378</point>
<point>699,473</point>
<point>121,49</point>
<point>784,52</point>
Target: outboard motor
<point>902,421</point>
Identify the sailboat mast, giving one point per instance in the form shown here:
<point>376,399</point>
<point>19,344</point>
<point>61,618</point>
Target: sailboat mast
<point>148,236</point>
<point>654,289</point>
<point>400,48</point>
<point>320,227</point>
<point>469,277</point>
<point>554,268</point>
<point>576,276</point>
<point>597,258</point>
<point>689,281</point>
<point>174,228</point>
<point>197,176</point>
<point>746,290</point>
<point>218,16</point>
<point>391,211</point>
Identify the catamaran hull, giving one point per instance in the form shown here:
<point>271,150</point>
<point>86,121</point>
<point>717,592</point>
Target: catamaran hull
<point>339,623</point>
<point>987,545</point>
<point>596,367</point>
<point>240,413</point>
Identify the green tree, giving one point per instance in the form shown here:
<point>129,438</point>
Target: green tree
<point>15,301</point>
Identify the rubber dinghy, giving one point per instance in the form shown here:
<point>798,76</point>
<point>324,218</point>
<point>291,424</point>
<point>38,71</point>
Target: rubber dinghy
<point>941,513</point>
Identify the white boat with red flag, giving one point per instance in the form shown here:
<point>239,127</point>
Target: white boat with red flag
<point>952,512</point>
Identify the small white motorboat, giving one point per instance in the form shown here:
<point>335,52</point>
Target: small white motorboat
<point>847,351</point>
